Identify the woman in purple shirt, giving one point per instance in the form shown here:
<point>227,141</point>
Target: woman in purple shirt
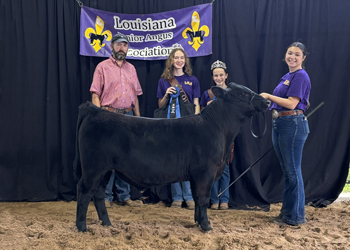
<point>178,66</point>
<point>289,132</point>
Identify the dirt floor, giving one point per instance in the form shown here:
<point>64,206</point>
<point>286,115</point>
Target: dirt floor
<point>51,225</point>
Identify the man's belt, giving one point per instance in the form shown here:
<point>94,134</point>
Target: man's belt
<point>119,111</point>
<point>276,114</point>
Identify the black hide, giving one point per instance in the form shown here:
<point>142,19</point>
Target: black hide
<point>43,80</point>
<point>150,152</point>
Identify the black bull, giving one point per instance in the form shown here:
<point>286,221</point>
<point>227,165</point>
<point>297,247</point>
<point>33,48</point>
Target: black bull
<point>149,152</point>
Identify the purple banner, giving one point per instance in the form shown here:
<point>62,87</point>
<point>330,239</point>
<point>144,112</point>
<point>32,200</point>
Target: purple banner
<point>151,36</point>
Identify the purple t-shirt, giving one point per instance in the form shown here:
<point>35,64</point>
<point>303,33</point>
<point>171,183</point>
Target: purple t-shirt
<point>204,99</point>
<point>189,84</point>
<point>294,84</point>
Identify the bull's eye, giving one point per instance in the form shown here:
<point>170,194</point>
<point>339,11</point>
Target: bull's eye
<point>243,94</point>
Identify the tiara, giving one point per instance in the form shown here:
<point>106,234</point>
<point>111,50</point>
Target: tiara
<point>218,64</point>
<point>176,45</point>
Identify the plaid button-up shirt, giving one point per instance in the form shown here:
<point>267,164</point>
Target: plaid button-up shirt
<point>117,86</point>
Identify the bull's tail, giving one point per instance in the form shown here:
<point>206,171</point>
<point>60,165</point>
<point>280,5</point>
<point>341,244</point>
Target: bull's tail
<point>77,163</point>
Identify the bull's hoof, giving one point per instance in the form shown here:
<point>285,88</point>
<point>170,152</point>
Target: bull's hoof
<point>80,229</point>
<point>106,223</point>
<point>206,228</point>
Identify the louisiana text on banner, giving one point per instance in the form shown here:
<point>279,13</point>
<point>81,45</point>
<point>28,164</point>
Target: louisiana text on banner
<point>151,36</point>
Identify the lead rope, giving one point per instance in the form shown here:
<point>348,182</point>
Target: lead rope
<point>251,130</point>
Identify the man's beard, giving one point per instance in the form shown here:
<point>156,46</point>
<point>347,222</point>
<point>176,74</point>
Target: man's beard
<point>120,55</point>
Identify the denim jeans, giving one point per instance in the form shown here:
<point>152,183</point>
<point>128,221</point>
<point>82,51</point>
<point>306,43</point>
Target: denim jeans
<point>289,134</point>
<point>122,187</point>
<point>219,186</point>
<point>181,191</point>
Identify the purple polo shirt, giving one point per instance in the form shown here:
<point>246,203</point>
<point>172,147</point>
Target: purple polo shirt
<point>190,85</point>
<point>117,86</point>
<point>294,84</point>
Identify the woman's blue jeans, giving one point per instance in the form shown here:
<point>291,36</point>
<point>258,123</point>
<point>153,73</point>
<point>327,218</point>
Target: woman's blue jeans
<point>289,134</point>
<point>122,188</point>
<point>181,191</point>
<point>220,185</point>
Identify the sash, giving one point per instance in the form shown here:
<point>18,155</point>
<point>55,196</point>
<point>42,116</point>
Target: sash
<point>174,83</point>
<point>211,95</point>
<point>177,107</point>
<point>232,148</point>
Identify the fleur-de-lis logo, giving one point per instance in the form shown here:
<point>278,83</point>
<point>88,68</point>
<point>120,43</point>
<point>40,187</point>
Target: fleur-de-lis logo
<point>96,36</point>
<point>196,34</point>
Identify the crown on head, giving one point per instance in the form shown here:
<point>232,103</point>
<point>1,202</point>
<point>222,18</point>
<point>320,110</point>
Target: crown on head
<point>176,45</point>
<point>218,64</point>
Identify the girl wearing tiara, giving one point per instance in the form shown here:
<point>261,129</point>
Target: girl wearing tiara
<point>219,75</point>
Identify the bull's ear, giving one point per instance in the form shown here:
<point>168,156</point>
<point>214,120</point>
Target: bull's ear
<point>232,85</point>
<point>218,92</point>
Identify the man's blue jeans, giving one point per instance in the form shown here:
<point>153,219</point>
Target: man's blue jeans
<point>181,191</point>
<point>289,134</point>
<point>220,185</point>
<point>122,187</point>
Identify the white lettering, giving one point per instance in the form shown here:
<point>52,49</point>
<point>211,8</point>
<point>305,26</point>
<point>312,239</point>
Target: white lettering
<point>144,25</point>
<point>159,37</point>
<point>135,39</point>
<point>152,52</point>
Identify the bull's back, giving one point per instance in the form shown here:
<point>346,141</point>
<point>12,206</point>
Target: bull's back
<point>148,151</point>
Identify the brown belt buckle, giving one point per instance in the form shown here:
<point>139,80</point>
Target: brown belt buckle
<point>120,111</point>
<point>274,114</point>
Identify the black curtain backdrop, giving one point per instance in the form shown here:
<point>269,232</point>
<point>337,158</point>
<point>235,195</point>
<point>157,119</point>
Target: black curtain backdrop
<point>43,80</point>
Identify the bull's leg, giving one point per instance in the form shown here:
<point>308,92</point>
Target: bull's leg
<point>83,199</point>
<point>201,195</point>
<point>99,197</point>
<point>196,213</point>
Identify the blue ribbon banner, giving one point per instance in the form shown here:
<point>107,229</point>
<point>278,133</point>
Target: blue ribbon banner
<point>151,36</point>
<point>174,105</point>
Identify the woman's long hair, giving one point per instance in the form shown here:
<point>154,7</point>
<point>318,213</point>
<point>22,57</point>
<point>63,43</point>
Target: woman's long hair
<point>168,72</point>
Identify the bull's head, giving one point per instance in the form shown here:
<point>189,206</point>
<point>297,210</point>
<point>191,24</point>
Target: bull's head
<point>243,97</point>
